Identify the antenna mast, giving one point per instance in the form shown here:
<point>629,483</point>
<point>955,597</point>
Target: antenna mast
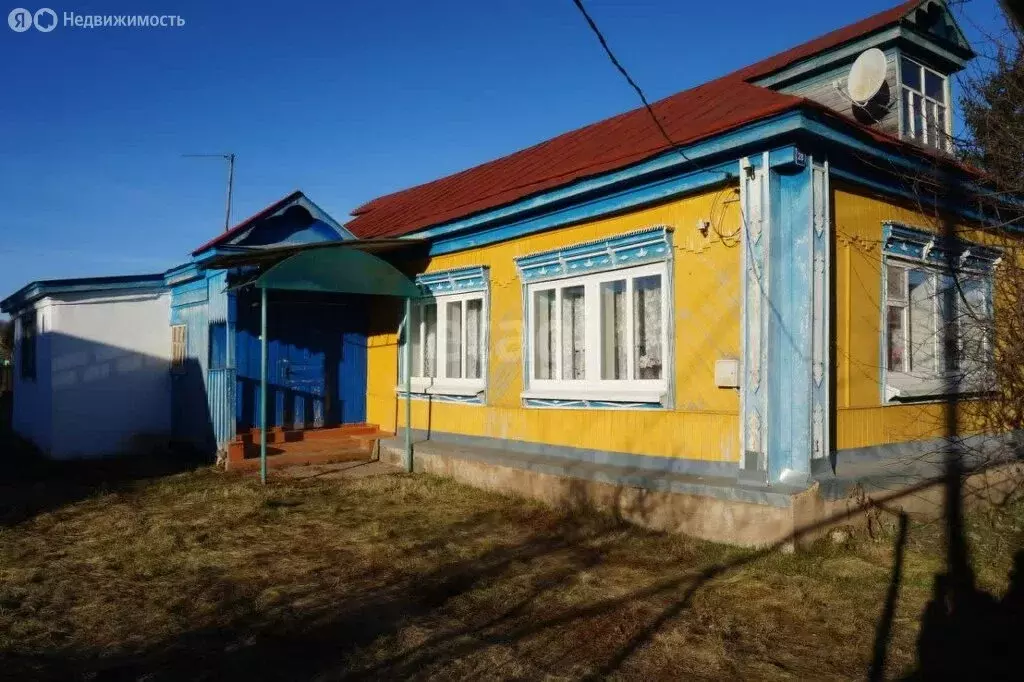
<point>230,158</point>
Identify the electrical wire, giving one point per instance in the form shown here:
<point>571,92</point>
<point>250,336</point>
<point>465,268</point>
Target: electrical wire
<point>650,112</point>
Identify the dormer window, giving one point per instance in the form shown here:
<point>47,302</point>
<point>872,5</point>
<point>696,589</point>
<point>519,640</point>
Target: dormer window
<point>924,103</point>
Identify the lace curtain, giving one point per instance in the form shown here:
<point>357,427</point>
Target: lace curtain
<point>614,358</point>
<point>573,333</point>
<point>474,338</point>
<point>647,327</point>
<point>430,336</point>
<point>544,335</point>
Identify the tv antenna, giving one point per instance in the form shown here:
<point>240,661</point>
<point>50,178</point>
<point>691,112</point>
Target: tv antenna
<point>230,158</point>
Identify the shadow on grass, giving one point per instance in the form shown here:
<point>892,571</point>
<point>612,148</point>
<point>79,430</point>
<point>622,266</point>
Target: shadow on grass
<point>31,484</point>
<point>328,641</point>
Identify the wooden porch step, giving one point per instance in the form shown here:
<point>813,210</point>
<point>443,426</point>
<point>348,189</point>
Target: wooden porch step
<point>279,435</point>
<point>286,459</point>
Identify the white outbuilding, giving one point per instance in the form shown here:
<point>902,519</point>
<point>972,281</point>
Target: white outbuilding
<point>91,361</point>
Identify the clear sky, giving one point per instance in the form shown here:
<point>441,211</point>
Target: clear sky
<point>346,100</point>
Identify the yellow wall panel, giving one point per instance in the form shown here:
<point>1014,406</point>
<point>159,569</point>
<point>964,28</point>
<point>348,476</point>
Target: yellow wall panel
<point>704,422</point>
<point>863,419</point>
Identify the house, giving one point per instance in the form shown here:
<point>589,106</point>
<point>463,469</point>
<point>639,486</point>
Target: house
<point>720,310</point>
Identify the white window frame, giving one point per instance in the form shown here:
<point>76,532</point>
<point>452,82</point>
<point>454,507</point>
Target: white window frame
<point>920,118</point>
<point>442,384</point>
<point>908,382</point>
<point>593,387</point>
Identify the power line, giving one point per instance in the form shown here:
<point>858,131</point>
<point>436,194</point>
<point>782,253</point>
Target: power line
<point>629,79</point>
<point>647,105</point>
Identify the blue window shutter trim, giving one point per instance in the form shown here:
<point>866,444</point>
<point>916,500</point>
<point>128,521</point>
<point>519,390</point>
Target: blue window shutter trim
<point>648,245</point>
<point>908,242</point>
<point>455,281</point>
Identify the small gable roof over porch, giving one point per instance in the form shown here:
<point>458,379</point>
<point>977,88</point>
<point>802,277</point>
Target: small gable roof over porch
<point>293,219</point>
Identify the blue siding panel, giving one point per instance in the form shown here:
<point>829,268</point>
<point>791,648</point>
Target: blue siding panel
<point>316,369</point>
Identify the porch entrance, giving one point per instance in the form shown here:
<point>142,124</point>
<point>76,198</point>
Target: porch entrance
<point>304,362</point>
<point>316,365</point>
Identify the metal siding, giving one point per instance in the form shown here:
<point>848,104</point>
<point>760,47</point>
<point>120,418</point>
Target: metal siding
<point>203,400</point>
<point>190,410</point>
<point>316,361</point>
<point>220,389</point>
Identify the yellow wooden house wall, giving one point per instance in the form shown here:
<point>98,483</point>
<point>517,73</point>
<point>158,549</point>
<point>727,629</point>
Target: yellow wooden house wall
<point>863,419</point>
<point>704,422</point>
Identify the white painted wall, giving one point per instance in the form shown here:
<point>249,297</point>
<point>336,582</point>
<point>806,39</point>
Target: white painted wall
<point>103,383</point>
<point>32,411</point>
<point>110,359</point>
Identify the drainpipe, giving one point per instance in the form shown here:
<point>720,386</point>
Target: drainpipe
<point>406,325</point>
<point>263,385</point>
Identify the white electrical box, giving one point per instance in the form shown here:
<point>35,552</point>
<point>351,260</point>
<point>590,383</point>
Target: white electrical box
<point>727,373</point>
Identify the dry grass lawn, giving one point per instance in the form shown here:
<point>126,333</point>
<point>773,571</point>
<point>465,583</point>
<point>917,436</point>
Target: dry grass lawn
<point>204,575</point>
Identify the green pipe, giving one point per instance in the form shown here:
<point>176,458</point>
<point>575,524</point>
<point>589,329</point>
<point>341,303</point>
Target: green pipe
<point>408,384</point>
<point>263,386</point>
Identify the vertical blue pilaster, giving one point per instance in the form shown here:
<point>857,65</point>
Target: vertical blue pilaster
<point>785,392</point>
<point>789,335</point>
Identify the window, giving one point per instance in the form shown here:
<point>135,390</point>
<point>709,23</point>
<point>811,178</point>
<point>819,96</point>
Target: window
<point>924,105</point>
<point>601,336</point>
<point>936,329</point>
<point>448,344</point>
<point>218,356</point>
<point>28,345</point>
<point>178,348</point>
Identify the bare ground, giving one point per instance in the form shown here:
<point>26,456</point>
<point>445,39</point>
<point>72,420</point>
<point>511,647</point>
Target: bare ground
<point>203,575</point>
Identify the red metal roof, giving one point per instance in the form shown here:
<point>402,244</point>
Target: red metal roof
<point>715,107</point>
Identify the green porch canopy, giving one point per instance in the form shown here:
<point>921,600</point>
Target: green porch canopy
<point>341,268</point>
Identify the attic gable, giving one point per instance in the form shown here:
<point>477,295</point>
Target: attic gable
<point>294,219</point>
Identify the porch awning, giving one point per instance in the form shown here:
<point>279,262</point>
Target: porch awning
<point>350,267</point>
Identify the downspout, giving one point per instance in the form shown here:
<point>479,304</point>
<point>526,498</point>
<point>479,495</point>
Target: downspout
<point>263,386</point>
<point>406,326</point>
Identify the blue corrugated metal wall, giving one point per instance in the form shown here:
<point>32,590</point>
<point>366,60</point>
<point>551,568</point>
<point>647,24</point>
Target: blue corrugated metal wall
<point>316,369</point>
<point>203,397</point>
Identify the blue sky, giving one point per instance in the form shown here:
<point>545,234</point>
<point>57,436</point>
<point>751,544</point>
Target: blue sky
<point>346,100</point>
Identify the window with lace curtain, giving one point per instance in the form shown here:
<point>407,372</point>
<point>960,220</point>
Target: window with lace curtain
<point>447,333</point>
<point>601,336</point>
<point>937,307</point>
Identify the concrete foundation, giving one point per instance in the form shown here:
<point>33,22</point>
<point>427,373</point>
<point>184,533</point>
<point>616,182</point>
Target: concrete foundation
<point>715,510</point>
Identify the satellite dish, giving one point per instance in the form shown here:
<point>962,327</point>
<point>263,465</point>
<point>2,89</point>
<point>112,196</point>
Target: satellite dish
<point>867,75</point>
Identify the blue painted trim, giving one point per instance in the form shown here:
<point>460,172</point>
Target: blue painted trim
<point>182,273</point>
<point>51,287</point>
<point>648,245</point>
<point>754,133</point>
<point>456,281</point>
<point>646,184</point>
<point>908,242</point>
<point>893,191</point>
<point>790,255</point>
<point>326,217</point>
